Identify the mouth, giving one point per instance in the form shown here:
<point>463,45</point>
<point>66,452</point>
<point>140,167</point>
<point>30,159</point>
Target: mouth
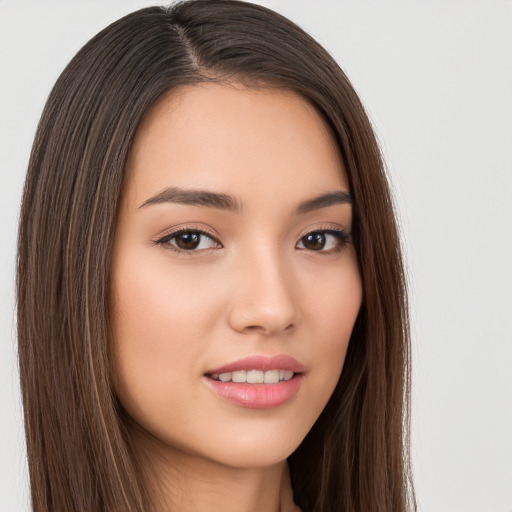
<point>257,382</point>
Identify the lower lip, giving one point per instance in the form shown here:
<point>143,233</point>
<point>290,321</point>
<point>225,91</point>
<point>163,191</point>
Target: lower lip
<point>257,396</point>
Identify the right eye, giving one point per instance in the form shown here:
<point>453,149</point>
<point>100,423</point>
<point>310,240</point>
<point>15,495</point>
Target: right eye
<point>188,240</point>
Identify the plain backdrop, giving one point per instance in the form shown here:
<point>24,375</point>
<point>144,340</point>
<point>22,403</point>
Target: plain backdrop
<point>436,78</point>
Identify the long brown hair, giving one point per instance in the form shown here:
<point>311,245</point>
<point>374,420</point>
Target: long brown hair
<point>356,457</point>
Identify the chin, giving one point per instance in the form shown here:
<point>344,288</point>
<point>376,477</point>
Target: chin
<point>246,448</point>
<point>251,456</point>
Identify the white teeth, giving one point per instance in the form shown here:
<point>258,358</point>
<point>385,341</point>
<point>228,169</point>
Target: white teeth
<point>240,376</point>
<point>271,377</point>
<point>254,376</point>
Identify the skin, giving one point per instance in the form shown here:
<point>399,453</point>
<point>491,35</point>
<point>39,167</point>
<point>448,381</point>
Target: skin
<point>253,288</point>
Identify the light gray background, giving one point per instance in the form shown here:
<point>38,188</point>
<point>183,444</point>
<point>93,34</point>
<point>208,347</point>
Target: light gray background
<point>436,77</point>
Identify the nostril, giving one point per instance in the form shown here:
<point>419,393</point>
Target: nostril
<point>267,330</point>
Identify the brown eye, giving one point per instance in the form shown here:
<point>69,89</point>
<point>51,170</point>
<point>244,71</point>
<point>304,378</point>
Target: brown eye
<point>323,241</point>
<point>314,241</point>
<point>188,241</point>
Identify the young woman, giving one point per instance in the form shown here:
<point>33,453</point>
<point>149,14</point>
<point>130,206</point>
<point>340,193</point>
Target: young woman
<point>211,300</point>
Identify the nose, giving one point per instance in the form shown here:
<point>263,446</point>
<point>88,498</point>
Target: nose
<point>264,296</point>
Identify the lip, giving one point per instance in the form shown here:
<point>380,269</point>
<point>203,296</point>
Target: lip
<point>262,363</point>
<point>258,396</point>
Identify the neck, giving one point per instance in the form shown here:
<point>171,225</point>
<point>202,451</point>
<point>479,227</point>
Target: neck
<point>188,483</point>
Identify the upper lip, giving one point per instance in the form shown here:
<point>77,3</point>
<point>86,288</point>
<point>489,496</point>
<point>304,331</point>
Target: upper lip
<point>262,363</point>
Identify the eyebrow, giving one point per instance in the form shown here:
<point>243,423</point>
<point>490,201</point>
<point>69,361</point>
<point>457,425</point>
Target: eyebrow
<point>195,198</point>
<point>325,200</point>
<point>230,203</point>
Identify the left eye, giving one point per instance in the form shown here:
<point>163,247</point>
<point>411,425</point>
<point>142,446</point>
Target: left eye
<point>324,241</point>
<point>189,241</point>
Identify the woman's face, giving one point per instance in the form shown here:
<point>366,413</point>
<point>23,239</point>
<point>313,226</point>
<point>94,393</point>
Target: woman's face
<point>232,265</point>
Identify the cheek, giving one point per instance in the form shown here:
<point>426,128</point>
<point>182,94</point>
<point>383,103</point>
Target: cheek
<point>331,317</point>
<point>155,308</point>
<point>159,337</point>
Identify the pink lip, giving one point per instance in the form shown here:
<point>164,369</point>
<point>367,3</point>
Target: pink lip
<point>258,396</point>
<point>262,363</point>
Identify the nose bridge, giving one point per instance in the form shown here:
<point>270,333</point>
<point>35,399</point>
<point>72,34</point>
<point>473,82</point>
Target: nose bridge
<point>264,297</point>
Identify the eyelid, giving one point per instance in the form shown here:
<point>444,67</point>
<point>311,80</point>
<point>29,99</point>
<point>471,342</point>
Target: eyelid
<point>176,230</point>
<point>329,226</point>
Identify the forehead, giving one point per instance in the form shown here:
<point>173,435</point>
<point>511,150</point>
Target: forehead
<point>233,139</point>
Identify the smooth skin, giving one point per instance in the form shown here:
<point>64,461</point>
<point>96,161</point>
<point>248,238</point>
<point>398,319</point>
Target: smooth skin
<point>249,276</point>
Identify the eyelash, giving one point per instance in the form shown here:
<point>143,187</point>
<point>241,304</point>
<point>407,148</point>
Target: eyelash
<point>341,235</point>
